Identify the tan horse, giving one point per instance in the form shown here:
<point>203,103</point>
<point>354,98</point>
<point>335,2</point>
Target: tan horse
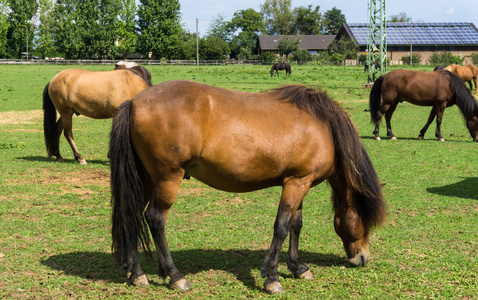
<point>95,94</point>
<point>468,73</point>
<point>293,137</point>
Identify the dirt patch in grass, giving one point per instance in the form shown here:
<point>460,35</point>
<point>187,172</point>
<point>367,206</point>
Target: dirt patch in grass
<point>20,117</point>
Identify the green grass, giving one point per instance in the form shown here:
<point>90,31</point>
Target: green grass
<point>55,217</point>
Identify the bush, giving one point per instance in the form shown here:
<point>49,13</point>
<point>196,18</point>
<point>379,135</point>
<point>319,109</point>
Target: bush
<point>474,58</point>
<point>302,56</point>
<point>445,58</point>
<point>416,59</point>
<point>267,58</point>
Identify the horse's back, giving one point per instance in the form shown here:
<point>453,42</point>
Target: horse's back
<point>416,87</point>
<point>96,94</point>
<point>231,140</point>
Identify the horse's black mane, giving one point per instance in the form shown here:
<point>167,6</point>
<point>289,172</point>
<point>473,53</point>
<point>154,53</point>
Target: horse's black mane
<point>350,155</point>
<point>463,98</point>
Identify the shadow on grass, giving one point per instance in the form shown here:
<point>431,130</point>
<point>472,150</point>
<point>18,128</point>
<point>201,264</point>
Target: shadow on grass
<point>103,162</point>
<point>467,188</point>
<point>240,263</point>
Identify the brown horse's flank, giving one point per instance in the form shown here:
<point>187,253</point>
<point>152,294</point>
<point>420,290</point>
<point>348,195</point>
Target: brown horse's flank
<point>151,150</point>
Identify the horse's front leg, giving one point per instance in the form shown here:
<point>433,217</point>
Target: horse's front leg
<point>291,199</point>
<point>388,118</point>
<point>294,264</point>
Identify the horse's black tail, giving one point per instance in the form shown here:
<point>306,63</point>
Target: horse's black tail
<point>463,97</point>
<point>375,99</point>
<point>129,227</point>
<point>52,138</point>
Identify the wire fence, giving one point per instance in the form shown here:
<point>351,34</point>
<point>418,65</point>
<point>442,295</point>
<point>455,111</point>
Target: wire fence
<point>112,62</point>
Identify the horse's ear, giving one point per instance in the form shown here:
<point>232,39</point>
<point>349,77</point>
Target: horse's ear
<point>382,185</point>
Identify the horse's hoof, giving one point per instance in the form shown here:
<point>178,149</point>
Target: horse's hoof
<point>377,138</point>
<point>420,138</point>
<point>60,159</point>
<point>441,139</point>
<point>181,284</point>
<point>306,275</point>
<point>393,138</point>
<point>274,288</point>
<point>82,162</point>
<point>140,281</point>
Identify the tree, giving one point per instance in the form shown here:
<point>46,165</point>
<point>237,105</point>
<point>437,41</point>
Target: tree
<point>213,48</point>
<point>20,31</point>
<point>401,17</point>
<point>4,24</point>
<point>127,37</point>
<point>220,28</point>
<point>333,20</point>
<point>45,43</point>
<point>159,27</point>
<point>286,45</point>
<point>345,47</point>
<point>307,21</point>
<point>68,39</point>
<point>249,24</point>
<point>277,16</point>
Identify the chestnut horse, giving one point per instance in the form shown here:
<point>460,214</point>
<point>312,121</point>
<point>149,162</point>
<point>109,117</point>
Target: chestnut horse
<point>294,137</point>
<point>468,73</point>
<point>95,94</point>
<point>279,67</point>
<point>440,89</point>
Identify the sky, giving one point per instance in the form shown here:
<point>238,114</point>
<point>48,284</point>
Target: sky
<point>355,11</point>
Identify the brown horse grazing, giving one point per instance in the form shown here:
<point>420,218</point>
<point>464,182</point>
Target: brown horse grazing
<point>293,137</point>
<point>440,89</point>
<point>95,94</point>
<point>279,67</point>
<point>468,73</point>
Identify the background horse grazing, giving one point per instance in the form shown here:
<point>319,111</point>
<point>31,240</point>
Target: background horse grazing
<point>292,137</point>
<point>466,73</point>
<point>377,66</point>
<point>279,67</point>
<point>95,94</point>
<point>439,89</point>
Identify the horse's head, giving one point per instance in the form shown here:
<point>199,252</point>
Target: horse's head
<point>353,220</point>
<point>472,125</point>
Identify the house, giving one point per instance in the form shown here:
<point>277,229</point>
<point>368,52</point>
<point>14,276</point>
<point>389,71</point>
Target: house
<point>458,38</point>
<point>312,43</point>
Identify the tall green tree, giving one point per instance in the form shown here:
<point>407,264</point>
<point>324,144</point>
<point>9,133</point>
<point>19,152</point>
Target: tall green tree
<point>277,16</point>
<point>107,24</point>
<point>306,20</point>
<point>220,28</point>
<point>159,27</point>
<point>4,24</point>
<point>44,40</point>
<point>127,37</point>
<point>286,45</point>
<point>20,31</point>
<point>333,20</point>
<point>67,33</point>
<point>247,24</point>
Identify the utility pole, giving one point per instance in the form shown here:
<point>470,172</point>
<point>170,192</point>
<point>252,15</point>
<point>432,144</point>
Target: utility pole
<point>377,39</point>
<point>197,41</point>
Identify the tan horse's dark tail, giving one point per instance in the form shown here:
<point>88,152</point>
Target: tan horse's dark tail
<point>129,228</point>
<point>52,138</point>
<point>375,100</point>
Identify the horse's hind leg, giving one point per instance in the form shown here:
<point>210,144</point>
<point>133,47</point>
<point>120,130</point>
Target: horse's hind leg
<point>440,111</point>
<point>156,216</point>
<point>388,118</point>
<point>431,117</point>
<point>293,261</point>
<point>67,124</point>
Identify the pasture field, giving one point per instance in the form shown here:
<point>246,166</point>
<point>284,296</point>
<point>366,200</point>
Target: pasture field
<point>55,223</point>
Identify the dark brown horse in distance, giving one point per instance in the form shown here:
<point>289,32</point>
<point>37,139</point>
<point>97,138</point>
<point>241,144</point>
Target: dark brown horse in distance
<point>293,137</point>
<point>279,67</point>
<point>439,89</point>
<point>95,94</point>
